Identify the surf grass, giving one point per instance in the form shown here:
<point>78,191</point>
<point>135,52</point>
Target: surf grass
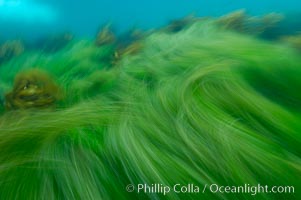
<point>201,106</point>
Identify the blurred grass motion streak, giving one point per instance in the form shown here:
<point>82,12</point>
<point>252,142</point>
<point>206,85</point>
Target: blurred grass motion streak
<point>202,105</point>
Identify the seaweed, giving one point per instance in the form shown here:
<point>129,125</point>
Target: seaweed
<point>10,49</point>
<point>177,25</point>
<point>241,22</point>
<point>32,89</point>
<point>105,36</point>
<point>293,40</point>
<point>53,43</point>
<point>202,106</point>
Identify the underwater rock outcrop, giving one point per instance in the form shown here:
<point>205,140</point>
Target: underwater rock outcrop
<point>32,89</point>
<point>10,49</point>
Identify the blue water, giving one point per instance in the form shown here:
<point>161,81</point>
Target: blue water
<point>32,18</point>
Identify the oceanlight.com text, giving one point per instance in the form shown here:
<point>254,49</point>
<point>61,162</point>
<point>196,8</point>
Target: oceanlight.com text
<point>158,188</point>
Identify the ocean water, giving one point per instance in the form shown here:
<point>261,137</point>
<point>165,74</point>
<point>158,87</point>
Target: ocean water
<point>150,100</point>
<point>28,18</point>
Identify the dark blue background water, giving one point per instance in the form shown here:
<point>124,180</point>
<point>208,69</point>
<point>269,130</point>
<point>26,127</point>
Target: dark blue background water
<point>31,18</point>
